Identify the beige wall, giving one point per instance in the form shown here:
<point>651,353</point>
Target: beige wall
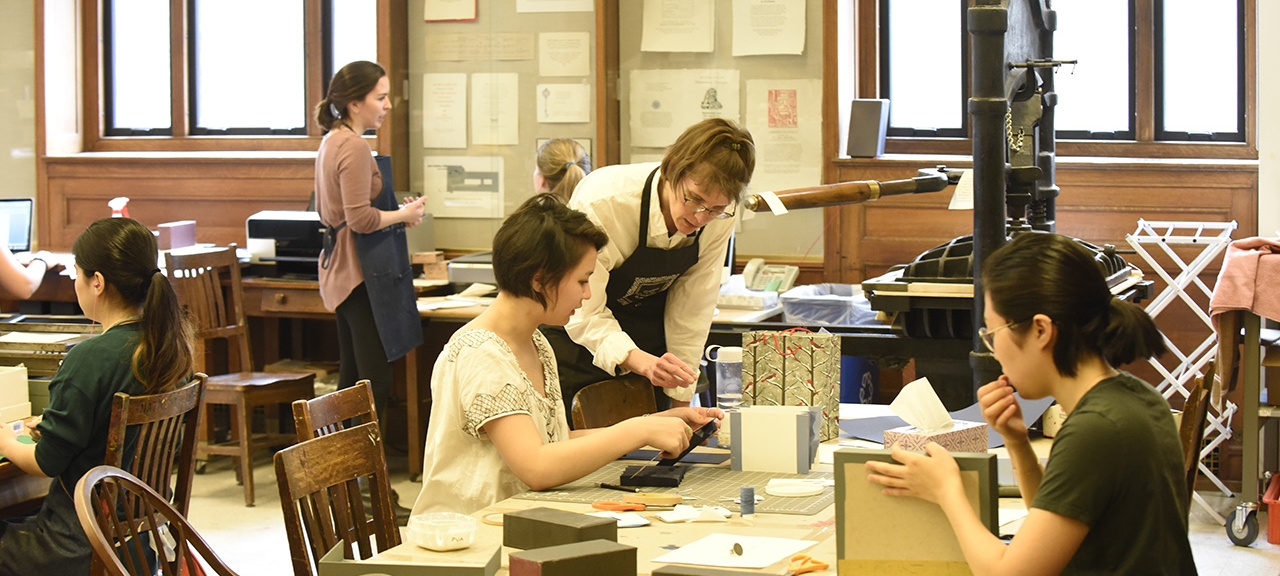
<point>18,101</point>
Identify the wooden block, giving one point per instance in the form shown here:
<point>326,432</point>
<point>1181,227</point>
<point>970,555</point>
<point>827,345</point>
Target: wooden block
<point>426,257</point>
<point>595,557</point>
<point>542,527</point>
<point>178,234</point>
<point>436,271</point>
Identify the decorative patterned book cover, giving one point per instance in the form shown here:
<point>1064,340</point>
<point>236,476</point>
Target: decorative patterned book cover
<point>790,368</point>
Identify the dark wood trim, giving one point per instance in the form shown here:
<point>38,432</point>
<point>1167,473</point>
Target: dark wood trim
<point>90,71</point>
<point>1144,69</point>
<point>313,76</point>
<point>393,51</point>
<point>608,108</point>
<point>42,138</point>
<point>179,81</point>
<point>867,45</point>
<point>1251,75</point>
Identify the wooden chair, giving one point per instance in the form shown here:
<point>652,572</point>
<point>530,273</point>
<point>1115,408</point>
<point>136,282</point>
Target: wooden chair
<point>611,401</point>
<point>1191,430</point>
<point>320,496</point>
<point>116,510</point>
<point>327,414</point>
<point>208,288</point>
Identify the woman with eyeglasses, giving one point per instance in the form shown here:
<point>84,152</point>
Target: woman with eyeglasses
<point>655,284</point>
<point>1113,497</point>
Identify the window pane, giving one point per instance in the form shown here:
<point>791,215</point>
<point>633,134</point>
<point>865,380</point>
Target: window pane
<point>249,71</point>
<point>1095,96</point>
<point>1200,66</point>
<point>925,64</point>
<point>355,32</point>
<point>139,65</point>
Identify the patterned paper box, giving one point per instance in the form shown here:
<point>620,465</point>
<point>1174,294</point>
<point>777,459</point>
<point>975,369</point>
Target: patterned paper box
<point>793,369</point>
<point>962,437</point>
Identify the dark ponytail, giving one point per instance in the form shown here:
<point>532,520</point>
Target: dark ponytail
<point>350,84</point>
<point>1054,275</point>
<point>124,252</point>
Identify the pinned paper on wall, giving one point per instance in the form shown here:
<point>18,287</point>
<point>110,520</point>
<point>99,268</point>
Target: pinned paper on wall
<point>564,54</point>
<point>449,10</point>
<point>688,26</point>
<point>555,6</point>
<point>444,110</point>
<point>564,103</point>
<point>665,102</point>
<point>463,186</point>
<point>495,108</point>
<point>768,27</point>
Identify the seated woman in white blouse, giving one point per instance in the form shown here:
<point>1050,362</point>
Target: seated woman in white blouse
<point>498,425</point>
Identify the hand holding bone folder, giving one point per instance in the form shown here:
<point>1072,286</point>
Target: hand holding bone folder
<point>929,421</point>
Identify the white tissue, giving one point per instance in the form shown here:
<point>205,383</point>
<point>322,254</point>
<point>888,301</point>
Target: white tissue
<point>919,405</point>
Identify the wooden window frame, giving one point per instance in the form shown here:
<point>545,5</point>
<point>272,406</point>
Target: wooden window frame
<point>868,62</point>
<point>391,44</point>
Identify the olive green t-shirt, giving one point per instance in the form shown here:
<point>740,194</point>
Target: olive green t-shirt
<point>73,430</point>
<point>1116,465</point>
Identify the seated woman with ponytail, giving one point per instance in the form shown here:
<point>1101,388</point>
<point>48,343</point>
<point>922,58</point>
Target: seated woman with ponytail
<point>1112,498</point>
<point>144,348</point>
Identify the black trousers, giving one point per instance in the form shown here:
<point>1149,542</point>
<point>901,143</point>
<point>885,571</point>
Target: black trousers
<point>360,352</point>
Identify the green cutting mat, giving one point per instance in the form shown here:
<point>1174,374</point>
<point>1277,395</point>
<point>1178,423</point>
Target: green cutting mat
<point>701,487</point>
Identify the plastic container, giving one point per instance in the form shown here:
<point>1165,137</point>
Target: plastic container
<point>728,384</point>
<point>1272,499</point>
<point>826,304</point>
<point>442,531</point>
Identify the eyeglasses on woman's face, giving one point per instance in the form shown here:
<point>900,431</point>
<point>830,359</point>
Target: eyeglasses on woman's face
<point>697,206</point>
<point>988,336</point>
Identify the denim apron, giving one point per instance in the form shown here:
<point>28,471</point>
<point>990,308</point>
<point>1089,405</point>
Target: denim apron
<point>637,296</point>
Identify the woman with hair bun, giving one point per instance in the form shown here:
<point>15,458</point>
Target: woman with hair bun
<point>560,165</point>
<point>145,348</point>
<point>1113,497</point>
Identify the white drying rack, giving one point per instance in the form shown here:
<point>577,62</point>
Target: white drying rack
<point>1212,238</point>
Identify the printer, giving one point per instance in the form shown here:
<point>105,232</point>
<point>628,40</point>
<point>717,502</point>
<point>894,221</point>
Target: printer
<point>472,268</point>
<point>285,243</point>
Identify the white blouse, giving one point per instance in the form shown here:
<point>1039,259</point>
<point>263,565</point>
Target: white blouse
<point>476,379</point>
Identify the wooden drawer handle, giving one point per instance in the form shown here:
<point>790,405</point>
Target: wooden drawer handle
<point>281,298</point>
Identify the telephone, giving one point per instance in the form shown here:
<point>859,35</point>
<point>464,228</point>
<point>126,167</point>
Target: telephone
<point>770,277</point>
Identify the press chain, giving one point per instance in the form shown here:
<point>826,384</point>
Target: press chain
<point>1015,140</point>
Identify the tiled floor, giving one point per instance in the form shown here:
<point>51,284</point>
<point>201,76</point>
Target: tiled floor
<point>252,540</point>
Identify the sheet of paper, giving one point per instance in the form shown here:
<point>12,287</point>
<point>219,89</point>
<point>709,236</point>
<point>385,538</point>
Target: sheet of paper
<point>36,337</point>
<point>678,26</point>
<point>444,110</point>
<point>564,103</point>
<point>482,47</point>
<point>962,198</point>
<point>665,102</point>
<point>555,6</point>
<point>785,119</point>
<point>768,27</point>
<point>463,186</point>
<point>564,54</point>
<point>717,550</point>
<point>495,109</point>
<point>448,10</point>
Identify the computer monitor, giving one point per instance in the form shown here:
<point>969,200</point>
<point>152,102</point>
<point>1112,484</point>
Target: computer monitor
<point>15,223</point>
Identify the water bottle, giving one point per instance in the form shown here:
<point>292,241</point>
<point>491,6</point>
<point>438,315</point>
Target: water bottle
<point>728,366</point>
<point>728,361</point>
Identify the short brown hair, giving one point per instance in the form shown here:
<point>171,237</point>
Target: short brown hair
<point>543,236</point>
<point>717,153</point>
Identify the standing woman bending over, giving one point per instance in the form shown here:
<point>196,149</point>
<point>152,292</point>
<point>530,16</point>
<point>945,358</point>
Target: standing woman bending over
<point>144,348</point>
<point>1113,497</point>
<point>655,285</point>
<point>362,220</point>
<point>561,164</point>
<point>497,425</point>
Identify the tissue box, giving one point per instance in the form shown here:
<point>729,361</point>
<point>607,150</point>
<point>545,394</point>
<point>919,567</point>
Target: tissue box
<point>962,437</point>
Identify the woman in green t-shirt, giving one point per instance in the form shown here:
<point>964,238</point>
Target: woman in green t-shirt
<point>1112,498</point>
<point>144,348</point>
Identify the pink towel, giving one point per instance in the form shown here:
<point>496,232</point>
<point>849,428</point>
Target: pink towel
<point>1250,278</point>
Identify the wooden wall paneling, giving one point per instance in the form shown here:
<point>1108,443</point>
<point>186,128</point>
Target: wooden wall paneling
<point>219,193</point>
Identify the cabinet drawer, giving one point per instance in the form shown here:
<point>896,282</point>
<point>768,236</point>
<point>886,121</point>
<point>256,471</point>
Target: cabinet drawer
<point>292,300</point>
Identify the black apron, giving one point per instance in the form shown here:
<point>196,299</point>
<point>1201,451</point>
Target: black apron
<point>388,275</point>
<point>637,297</point>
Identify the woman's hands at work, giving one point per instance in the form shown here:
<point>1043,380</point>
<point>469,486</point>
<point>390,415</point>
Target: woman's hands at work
<point>411,212</point>
<point>1001,410</point>
<point>931,476</point>
<point>665,372</point>
<point>666,433</point>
